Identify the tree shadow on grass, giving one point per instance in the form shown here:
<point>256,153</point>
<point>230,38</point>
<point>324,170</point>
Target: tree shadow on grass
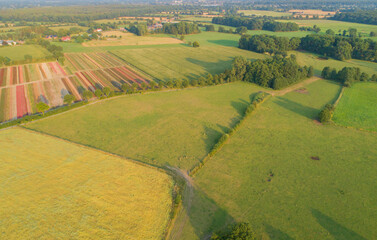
<point>225,42</point>
<point>210,137</point>
<point>275,233</point>
<point>206,216</point>
<point>212,67</point>
<point>338,231</point>
<point>298,108</point>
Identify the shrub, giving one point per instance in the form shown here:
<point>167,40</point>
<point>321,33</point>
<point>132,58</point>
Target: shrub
<point>326,114</point>
<point>196,44</point>
<point>239,231</point>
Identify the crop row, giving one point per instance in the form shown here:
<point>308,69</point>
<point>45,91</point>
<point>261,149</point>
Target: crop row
<point>86,61</point>
<point>21,96</point>
<point>21,74</point>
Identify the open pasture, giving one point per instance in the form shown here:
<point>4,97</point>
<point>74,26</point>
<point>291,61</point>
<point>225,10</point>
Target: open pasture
<point>53,189</point>
<point>358,107</point>
<point>335,25</point>
<point>289,176</point>
<point>183,62</point>
<point>130,39</point>
<point>175,128</point>
<point>17,53</point>
<point>260,13</point>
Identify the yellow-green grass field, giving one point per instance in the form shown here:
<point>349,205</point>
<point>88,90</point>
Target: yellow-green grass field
<point>358,107</point>
<point>230,39</point>
<point>175,128</point>
<point>53,189</point>
<point>17,53</point>
<point>265,175</point>
<point>184,62</point>
<point>264,13</point>
<point>334,25</point>
<point>315,60</point>
<point>67,27</point>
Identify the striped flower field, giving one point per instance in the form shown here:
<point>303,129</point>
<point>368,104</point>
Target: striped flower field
<point>22,87</point>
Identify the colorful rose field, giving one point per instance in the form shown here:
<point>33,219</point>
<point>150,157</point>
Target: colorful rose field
<point>22,87</point>
<point>87,61</point>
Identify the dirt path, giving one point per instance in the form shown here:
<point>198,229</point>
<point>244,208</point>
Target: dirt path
<point>188,195</point>
<point>293,87</point>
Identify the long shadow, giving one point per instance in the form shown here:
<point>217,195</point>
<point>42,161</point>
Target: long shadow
<point>210,66</point>
<point>298,108</point>
<point>275,233</point>
<point>206,216</point>
<point>240,106</point>
<point>211,137</point>
<point>338,231</point>
<point>224,42</point>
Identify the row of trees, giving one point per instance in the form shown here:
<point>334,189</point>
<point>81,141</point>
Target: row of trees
<point>347,75</point>
<point>140,29</point>
<point>277,72</point>
<point>361,16</point>
<point>268,43</point>
<point>256,23</point>
<point>181,28</point>
<point>341,48</point>
<point>338,47</point>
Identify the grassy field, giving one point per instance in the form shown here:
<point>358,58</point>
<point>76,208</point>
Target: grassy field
<point>52,189</point>
<point>130,39</point>
<point>310,59</point>
<point>264,13</point>
<point>184,62</point>
<point>265,175</point>
<point>168,128</point>
<point>358,107</point>
<point>79,48</point>
<point>18,52</point>
<point>335,25</point>
<point>57,28</point>
<point>231,40</point>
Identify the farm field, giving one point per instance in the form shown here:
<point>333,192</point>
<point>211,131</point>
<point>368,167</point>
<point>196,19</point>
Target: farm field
<point>264,13</point>
<point>357,107</point>
<point>150,127</point>
<point>334,25</point>
<point>17,53</point>
<point>22,87</point>
<point>184,62</point>
<point>53,189</point>
<point>231,40</point>
<point>315,60</point>
<point>67,27</point>
<point>130,39</point>
<point>265,175</point>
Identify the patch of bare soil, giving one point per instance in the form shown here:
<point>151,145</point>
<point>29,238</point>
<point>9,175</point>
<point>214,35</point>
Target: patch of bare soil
<point>302,90</point>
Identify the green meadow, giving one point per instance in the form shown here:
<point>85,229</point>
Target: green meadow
<point>358,107</point>
<point>184,62</point>
<point>289,176</point>
<point>175,128</point>
<point>17,53</point>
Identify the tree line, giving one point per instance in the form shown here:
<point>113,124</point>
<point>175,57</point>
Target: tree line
<point>360,16</point>
<point>347,75</point>
<point>276,73</point>
<point>338,47</point>
<point>256,23</point>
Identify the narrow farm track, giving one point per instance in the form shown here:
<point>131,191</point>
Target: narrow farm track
<point>293,87</point>
<point>188,195</point>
